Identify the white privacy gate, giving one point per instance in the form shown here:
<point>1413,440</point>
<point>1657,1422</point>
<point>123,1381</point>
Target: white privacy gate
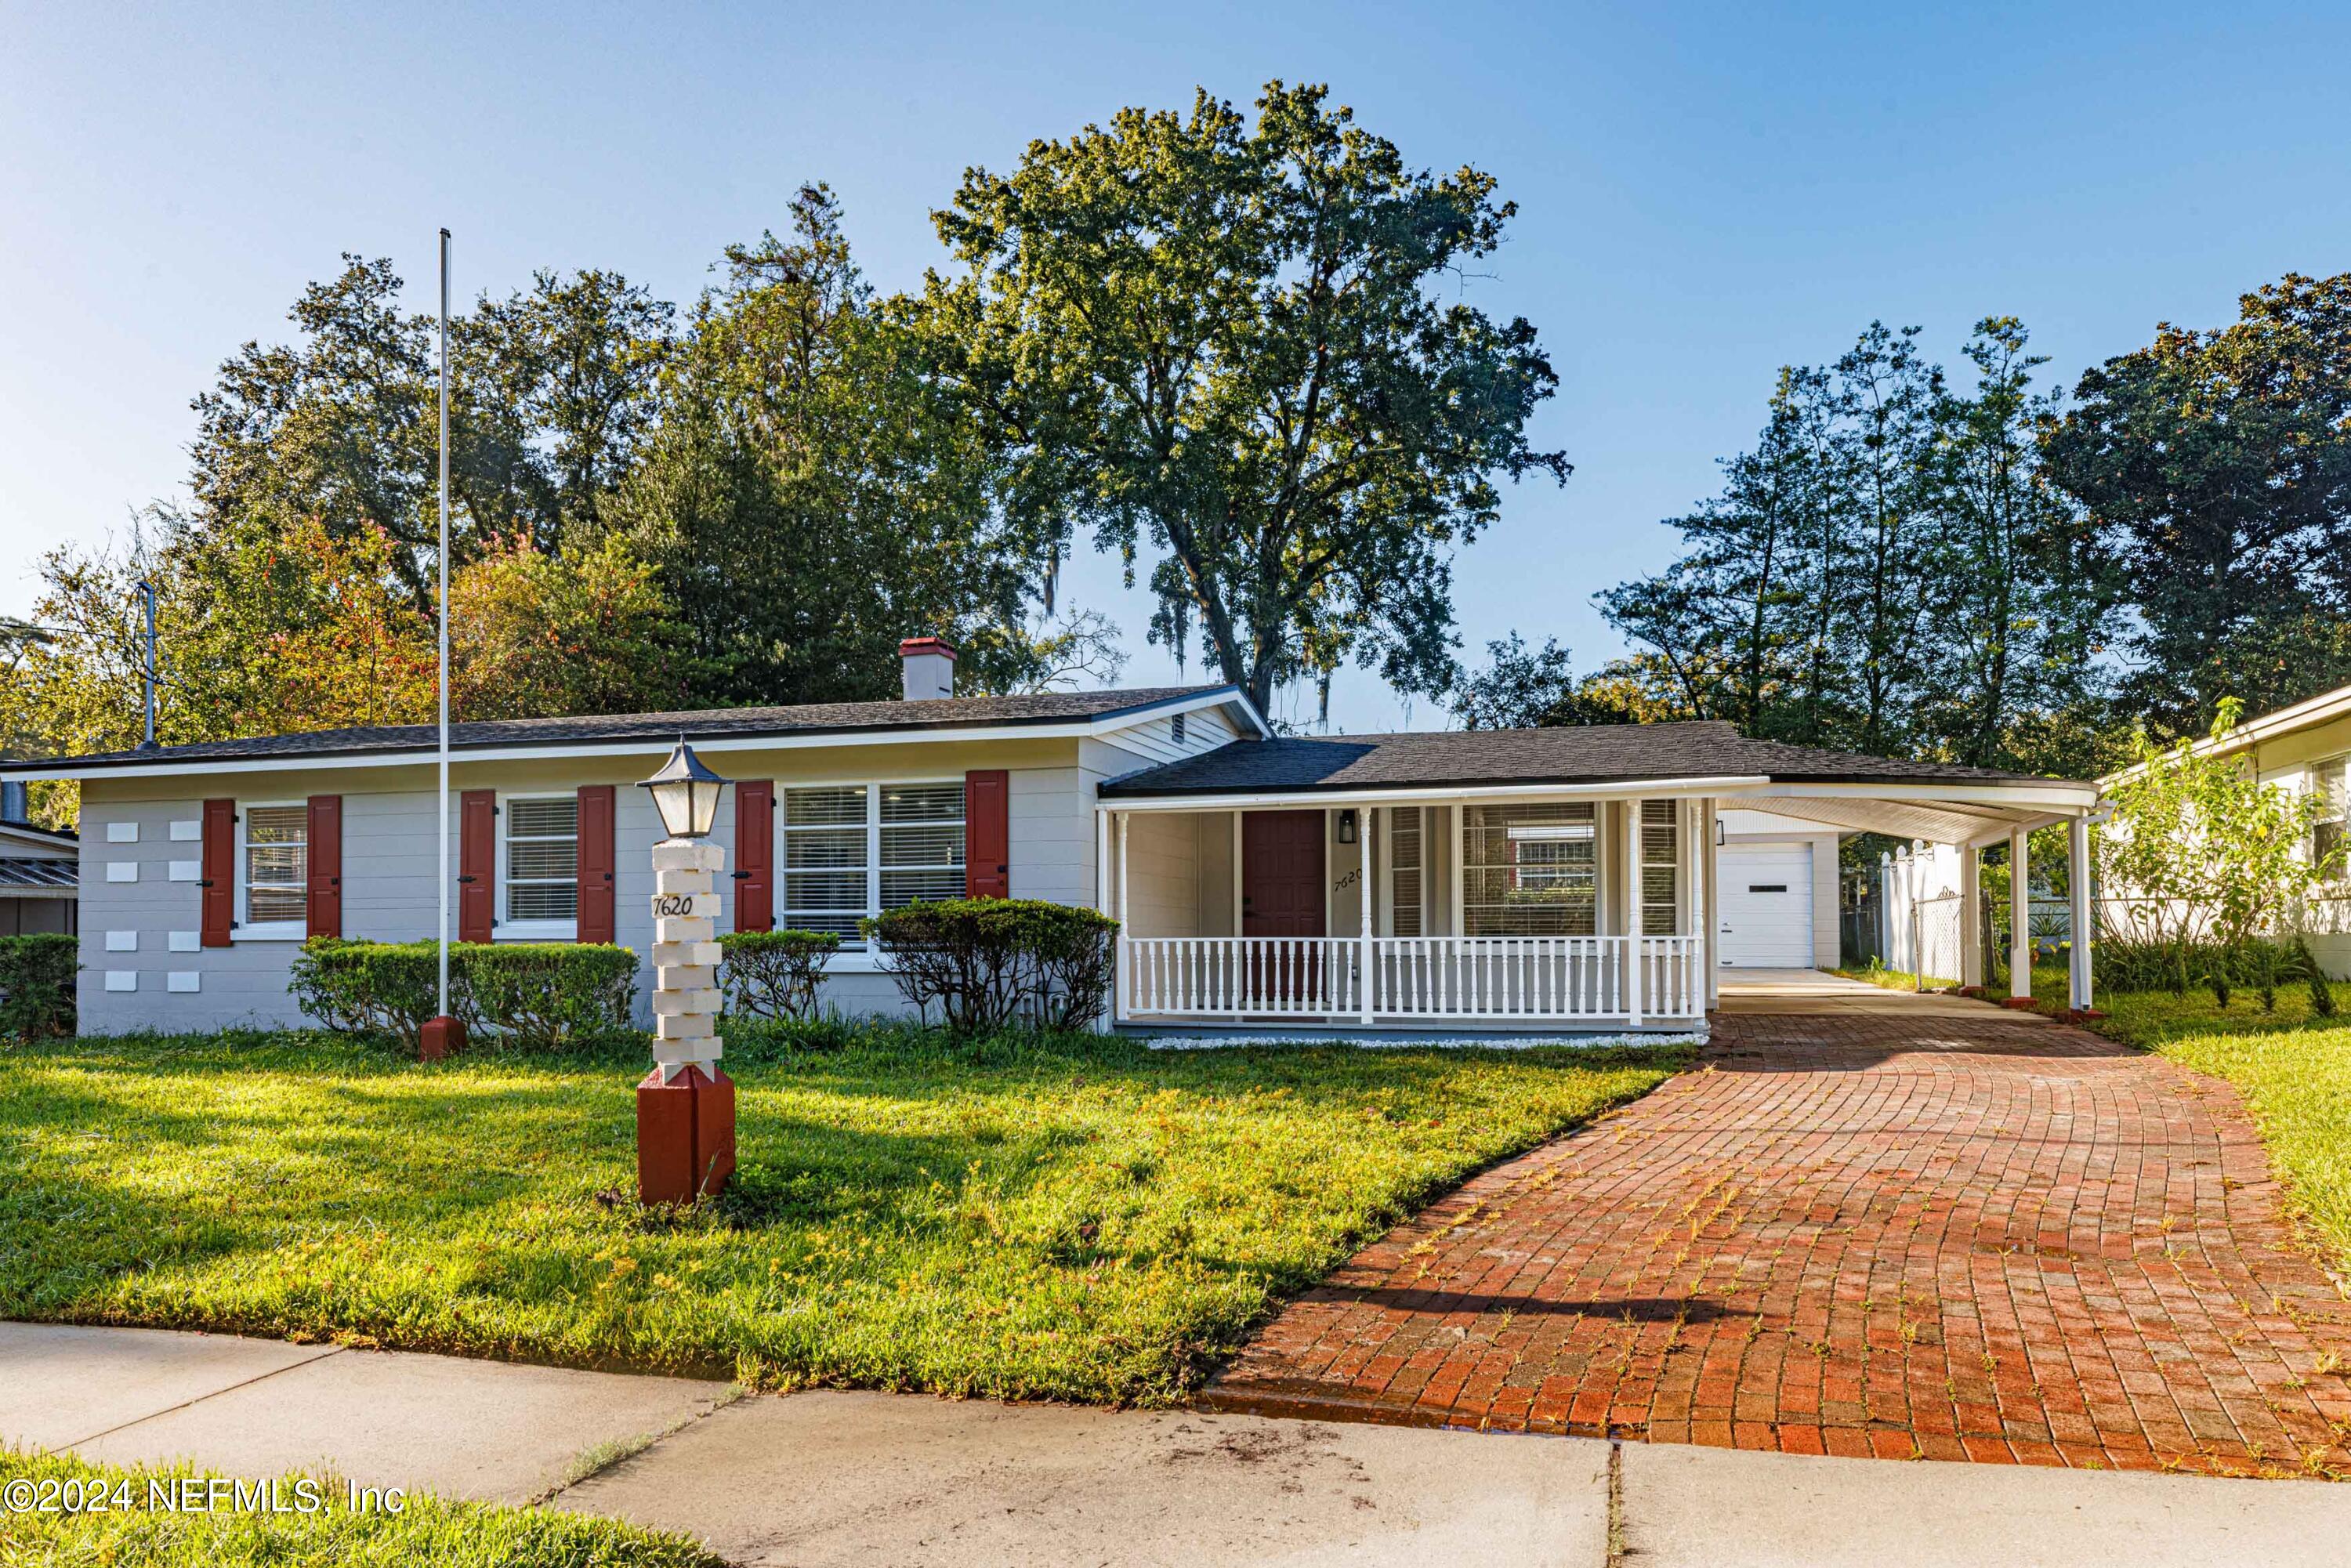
<point>1920,916</point>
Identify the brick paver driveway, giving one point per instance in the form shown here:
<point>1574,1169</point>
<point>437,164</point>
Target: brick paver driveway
<point>1949,1233</point>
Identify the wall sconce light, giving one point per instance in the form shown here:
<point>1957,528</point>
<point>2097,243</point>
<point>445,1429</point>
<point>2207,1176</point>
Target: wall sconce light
<point>1347,827</point>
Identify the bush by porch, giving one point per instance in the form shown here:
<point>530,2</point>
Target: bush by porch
<point>1013,1216</point>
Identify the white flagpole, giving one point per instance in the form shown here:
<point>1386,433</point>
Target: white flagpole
<point>443,879</point>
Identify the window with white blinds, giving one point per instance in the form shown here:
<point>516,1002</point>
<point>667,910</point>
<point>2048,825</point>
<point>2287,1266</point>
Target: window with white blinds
<point>276,864</point>
<point>542,859</point>
<point>2331,780</point>
<point>1405,870</point>
<point>1530,871</point>
<point>1660,850</point>
<point>854,850</point>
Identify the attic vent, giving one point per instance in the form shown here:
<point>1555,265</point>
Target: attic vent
<point>1176,725</point>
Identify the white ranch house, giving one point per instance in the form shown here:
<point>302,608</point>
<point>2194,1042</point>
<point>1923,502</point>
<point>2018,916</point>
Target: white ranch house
<point>1555,881</point>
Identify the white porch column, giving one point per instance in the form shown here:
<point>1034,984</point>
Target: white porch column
<point>2078,846</point>
<point>1632,910</point>
<point>1365,840</point>
<point>1125,984</point>
<point>1971,954</point>
<point>1101,904</point>
<point>1710,825</point>
<point>1918,925</point>
<point>2020,917</point>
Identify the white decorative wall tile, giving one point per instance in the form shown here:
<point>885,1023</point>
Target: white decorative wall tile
<point>122,870</point>
<point>187,832</point>
<point>183,980</point>
<point>122,941</point>
<point>187,942</point>
<point>121,832</point>
<point>123,979</point>
<point>187,871</point>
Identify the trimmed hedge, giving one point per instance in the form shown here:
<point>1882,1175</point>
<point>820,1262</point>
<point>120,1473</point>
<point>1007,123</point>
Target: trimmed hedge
<point>775,974</point>
<point>529,996</point>
<point>37,985</point>
<point>987,961</point>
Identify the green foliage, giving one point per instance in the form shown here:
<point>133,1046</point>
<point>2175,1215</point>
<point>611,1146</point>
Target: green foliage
<point>810,497</point>
<point>426,1530</point>
<point>1071,1218</point>
<point>1233,345</point>
<point>1885,571</point>
<point>376,987</point>
<point>2322,994</point>
<point>775,974</point>
<point>2200,851</point>
<point>524,996</point>
<point>549,996</point>
<point>985,960</point>
<point>37,985</point>
<point>2216,468</point>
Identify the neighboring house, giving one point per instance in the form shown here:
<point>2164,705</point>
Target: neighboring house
<point>39,871</point>
<point>1555,879</point>
<point>2305,750</point>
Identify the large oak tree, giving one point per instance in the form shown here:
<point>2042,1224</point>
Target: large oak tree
<point>1241,348</point>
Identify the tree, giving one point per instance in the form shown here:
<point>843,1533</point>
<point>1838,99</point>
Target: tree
<point>1885,570</point>
<point>550,397</point>
<point>809,498</point>
<point>2217,466</point>
<point>1520,688</point>
<point>533,636</point>
<point>1225,343</point>
<point>2025,604</point>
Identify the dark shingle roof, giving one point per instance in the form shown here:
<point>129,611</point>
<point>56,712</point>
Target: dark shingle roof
<point>1598,754</point>
<point>811,718</point>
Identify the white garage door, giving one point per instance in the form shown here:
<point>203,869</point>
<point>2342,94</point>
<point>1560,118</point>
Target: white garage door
<point>1765,902</point>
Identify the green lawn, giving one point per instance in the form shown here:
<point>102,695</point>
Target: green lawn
<point>1086,1220</point>
<point>131,1533</point>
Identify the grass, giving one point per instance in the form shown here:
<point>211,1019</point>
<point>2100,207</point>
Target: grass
<point>135,1531</point>
<point>1078,1219</point>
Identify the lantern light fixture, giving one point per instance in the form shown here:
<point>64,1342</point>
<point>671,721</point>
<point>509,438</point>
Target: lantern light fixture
<point>686,793</point>
<point>1347,826</point>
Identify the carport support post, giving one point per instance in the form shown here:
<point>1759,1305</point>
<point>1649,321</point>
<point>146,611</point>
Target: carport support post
<point>1632,810</point>
<point>1917,925</point>
<point>1971,954</point>
<point>2077,849</point>
<point>2020,917</point>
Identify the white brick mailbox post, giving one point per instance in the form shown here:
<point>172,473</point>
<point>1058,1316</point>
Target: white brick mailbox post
<point>685,1105</point>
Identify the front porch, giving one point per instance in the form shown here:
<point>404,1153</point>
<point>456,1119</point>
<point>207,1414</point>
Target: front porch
<point>1562,912</point>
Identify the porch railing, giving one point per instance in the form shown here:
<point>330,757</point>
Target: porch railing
<point>1457,979</point>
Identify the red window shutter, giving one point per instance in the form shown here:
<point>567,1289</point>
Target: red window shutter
<point>987,834</point>
<point>477,854</point>
<point>597,860</point>
<point>755,855</point>
<point>217,891</point>
<point>325,902</point>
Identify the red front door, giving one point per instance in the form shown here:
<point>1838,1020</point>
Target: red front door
<point>1282,873</point>
<point>1282,890</point>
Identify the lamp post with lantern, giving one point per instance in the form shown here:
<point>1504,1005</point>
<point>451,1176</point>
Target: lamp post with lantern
<point>685,1105</point>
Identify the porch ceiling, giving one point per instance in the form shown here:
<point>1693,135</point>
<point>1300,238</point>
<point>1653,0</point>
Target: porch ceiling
<point>1935,821</point>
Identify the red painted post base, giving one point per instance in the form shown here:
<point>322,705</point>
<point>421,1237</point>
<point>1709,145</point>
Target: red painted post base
<point>2021,1004</point>
<point>2079,1015</point>
<point>440,1037</point>
<point>685,1135</point>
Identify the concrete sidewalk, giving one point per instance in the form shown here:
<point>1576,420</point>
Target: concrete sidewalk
<point>839,1477</point>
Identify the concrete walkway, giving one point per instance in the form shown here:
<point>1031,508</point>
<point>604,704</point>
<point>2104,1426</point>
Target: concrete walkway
<point>837,1477</point>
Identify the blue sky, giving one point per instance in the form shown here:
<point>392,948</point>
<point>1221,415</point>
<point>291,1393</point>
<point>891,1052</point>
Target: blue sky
<point>1706,192</point>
